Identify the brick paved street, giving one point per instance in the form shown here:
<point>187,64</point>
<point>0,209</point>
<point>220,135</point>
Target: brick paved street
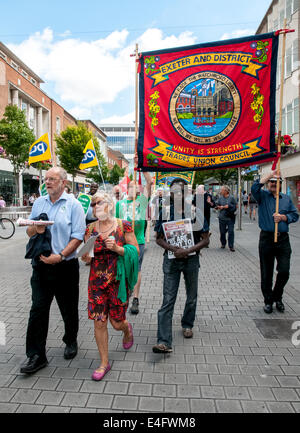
<point>229,366</point>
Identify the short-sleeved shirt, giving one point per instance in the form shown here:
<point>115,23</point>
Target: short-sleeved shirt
<point>124,211</point>
<point>69,220</point>
<point>2,203</point>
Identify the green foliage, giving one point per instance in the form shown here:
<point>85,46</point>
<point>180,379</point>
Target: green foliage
<point>226,115</point>
<point>70,144</point>
<point>185,115</point>
<point>16,137</point>
<point>116,174</point>
<point>221,176</point>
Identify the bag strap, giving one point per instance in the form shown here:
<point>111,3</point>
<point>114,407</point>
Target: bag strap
<point>91,228</point>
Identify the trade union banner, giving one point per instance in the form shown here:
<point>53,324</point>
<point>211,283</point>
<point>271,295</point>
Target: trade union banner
<point>208,106</point>
<point>163,179</point>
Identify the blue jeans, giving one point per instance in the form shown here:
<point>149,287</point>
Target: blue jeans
<point>227,226</point>
<point>172,269</point>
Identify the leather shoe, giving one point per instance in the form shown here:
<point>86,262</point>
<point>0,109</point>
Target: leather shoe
<point>280,306</point>
<point>268,308</point>
<point>71,350</point>
<point>33,364</point>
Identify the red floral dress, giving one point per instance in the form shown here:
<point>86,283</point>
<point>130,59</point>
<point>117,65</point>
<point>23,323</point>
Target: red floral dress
<point>103,287</point>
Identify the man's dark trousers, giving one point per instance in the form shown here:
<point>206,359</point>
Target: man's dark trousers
<point>227,226</point>
<point>172,269</point>
<point>268,251</point>
<point>48,281</point>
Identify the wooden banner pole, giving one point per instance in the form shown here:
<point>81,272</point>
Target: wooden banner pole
<point>136,128</point>
<point>280,127</point>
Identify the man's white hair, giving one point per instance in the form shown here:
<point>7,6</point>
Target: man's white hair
<point>61,171</point>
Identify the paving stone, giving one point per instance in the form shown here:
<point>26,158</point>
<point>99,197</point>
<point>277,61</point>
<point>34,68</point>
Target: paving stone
<point>212,392</point>
<point>50,398</point>
<point>6,394</point>
<point>30,408</point>
<point>236,392</point>
<point>8,407</point>
<point>267,381</point>
<point>177,405</point>
<point>142,389</point>
<point>241,380</point>
<point>221,379</point>
<point>264,394</point>
<point>285,394</point>
<point>65,373</point>
<point>276,407</point>
<point>198,379</point>
<point>69,385</point>
<point>125,402</point>
<point>164,390</point>
<point>174,379</point>
<point>56,409</point>
<point>74,399</point>
<point>116,388</point>
<point>254,407</point>
<point>228,406</point>
<point>100,401</point>
<point>289,381</point>
<point>26,396</point>
<point>202,406</point>
<point>188,391</point>
<point>151,404</point>
<point>24,381</point>
<point>91,386</point>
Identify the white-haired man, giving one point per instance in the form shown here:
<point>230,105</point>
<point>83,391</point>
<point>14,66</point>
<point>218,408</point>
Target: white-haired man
<point>226,206</point>
<point>56,275</point>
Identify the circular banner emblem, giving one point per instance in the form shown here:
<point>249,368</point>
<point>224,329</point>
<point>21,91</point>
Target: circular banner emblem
<point>205,107</point>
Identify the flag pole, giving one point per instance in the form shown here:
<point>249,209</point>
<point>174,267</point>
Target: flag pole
<point>280,125</point>
<point>136,129</point>
<point>100,171</point>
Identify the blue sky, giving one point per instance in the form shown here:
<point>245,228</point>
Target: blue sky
<point>81,48</point>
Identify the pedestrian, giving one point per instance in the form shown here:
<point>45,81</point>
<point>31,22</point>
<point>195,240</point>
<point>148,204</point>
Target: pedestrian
<point>205,199</point>
<point>268,249</point>
<point>31,199</point>
<point>245,201</point>
<point>115,240</point>
<point>57,275</point>
<point>117,194</point>
<point>89,215</point>
<point>124,211</point>
<point>186,261</point>
<point>226,205</point>
<point>252,206</point>
<point>69,191</point>
<point>2,202</point>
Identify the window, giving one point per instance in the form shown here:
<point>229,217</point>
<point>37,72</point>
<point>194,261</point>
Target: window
<point>33,81</point>
<point>14,65</point>
<point>288,8</point>
<point>31,118</point>
<point>57,125</point>
<point>3,55</point>
<point>295,59</point>
<point>278,74</point>
<point>283,121</point>
<point>289,118</point>
<point>288,62</point>
<point>296,116</point>
<point>24,106</point>
<point>24,74</point>
<point>295,5</point>
<point>275,25</point>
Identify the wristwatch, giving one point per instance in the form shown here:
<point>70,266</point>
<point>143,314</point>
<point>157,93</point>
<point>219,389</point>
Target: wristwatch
<point>62,257</point>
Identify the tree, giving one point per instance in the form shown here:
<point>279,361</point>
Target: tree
<point>70,145</point>
<point>94,174</point>
<point>115,174</point>
<point>223,176</point>
<point>16,138</point>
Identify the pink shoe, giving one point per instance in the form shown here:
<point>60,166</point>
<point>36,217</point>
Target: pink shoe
<point>128,345</point>
<point>99,376</point>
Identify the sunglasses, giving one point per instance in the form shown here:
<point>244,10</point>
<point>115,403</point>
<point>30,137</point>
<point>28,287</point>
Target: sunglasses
<point>98,203</point>
<point>274,181</point>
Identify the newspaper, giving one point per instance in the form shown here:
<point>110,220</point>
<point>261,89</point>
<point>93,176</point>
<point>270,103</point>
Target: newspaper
<point>88,247</point>
<point>179,234</point>
<point>25,222</point>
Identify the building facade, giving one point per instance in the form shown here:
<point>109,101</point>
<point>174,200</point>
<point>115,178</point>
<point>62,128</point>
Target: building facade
<point>20,86</point>
<point>272,21</point>
<point>121,138</point>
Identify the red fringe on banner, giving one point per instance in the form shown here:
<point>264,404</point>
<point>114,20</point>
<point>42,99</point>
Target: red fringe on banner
<point>278,155</point>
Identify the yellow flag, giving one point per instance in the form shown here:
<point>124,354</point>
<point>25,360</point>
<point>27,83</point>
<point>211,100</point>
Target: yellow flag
<point>89,159</point>
<point>40,150</point>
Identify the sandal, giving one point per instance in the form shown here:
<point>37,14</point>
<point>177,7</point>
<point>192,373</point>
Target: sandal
<point>129,344</point>
<point>98,375</point>
<point>162,348</point>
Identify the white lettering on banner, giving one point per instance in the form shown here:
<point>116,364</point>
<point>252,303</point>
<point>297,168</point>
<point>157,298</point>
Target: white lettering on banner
<point>88,157</point>
<point>2,334</point>
<point>38,149</point>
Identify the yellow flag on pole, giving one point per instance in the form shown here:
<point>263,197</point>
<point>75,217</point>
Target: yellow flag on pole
<point>89,159</point>
<point>40,150</point>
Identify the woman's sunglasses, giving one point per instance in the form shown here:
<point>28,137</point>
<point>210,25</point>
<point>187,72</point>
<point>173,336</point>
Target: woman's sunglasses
<point>98,203</point>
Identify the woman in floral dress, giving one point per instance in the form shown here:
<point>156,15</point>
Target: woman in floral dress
<point>103,302</point>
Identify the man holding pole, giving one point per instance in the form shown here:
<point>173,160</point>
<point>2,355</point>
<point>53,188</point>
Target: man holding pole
<point>269,249</point>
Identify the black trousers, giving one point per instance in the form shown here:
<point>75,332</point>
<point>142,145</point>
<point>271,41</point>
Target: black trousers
<point>48,281</point>
<point>268,252</point>
<point>227,226</point>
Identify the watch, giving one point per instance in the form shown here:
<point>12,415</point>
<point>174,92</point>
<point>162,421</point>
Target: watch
<point>62,257</point>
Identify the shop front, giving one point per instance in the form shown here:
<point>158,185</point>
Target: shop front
<point>7,187</point>
<point>293,190</point>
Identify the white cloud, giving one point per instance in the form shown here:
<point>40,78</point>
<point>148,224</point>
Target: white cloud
<point>89,74</point>
<point>238,34</point>
<point>127,118</point>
